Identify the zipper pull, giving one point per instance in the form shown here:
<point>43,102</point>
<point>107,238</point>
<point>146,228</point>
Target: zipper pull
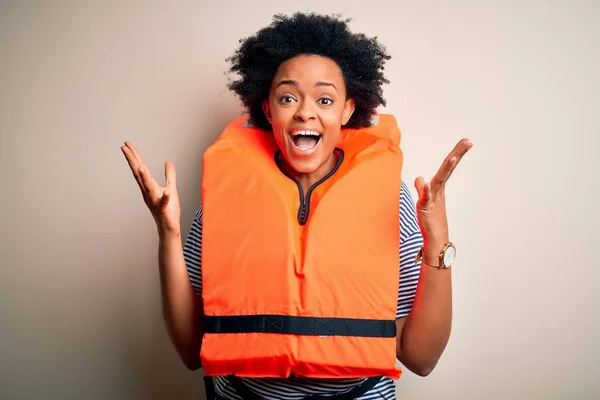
<point>303,213</point>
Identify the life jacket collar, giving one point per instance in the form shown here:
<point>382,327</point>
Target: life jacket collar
<point>304,208</point>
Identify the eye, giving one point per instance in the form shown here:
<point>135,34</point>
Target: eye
<point>325,101</point>
<point>286,99</point>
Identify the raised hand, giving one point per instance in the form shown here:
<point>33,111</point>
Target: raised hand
<point>163,202</point>
<point>431,206</point>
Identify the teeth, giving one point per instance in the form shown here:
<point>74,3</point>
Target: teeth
<point>306,133</point>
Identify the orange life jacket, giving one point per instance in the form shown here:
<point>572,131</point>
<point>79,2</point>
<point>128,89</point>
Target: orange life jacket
<point>301,284</point>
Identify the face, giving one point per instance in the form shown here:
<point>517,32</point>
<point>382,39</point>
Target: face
<point>307,106</point>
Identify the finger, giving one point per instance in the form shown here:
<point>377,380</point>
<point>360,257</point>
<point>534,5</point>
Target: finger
<point>150,186</point>
<point>170,174</point>
<point>459,150</point>
<point>136,153</point>
<point>141,164</point>
<point>444,173</point>
<point>133,165</point>
<point>450,163</point>
<point>462,147</point>
<point>131,160</point>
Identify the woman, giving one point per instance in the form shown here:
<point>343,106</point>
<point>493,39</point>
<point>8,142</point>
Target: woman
<point>303,79</point>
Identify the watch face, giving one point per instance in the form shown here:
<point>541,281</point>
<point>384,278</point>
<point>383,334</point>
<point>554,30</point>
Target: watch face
<point>449,255</point>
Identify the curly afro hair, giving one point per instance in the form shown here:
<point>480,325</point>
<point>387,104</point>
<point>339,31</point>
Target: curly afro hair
<point>360,58</point>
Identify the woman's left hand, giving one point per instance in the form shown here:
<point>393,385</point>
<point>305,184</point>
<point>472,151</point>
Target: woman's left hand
<point>431,206</point>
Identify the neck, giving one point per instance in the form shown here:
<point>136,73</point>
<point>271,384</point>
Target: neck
<point>308,179</point>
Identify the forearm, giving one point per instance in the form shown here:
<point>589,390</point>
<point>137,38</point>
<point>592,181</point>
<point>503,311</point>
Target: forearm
<point>181,308</point>
<point>426,330</point>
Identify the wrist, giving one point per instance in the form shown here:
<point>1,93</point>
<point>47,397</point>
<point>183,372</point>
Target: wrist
<point>434,245</point>
<point>169,234</point>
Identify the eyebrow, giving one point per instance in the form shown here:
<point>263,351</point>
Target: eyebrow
<point>294,83</point>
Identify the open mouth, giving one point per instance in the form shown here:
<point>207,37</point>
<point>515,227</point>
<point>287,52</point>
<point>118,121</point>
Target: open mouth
<point>305,140</point>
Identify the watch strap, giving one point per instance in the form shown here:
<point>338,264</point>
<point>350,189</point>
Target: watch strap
<point>439,258</point>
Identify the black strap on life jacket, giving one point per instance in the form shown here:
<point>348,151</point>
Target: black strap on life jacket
<point>296,325</point>
<point>209,387</point>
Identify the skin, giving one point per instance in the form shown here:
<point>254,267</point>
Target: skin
<point>297,100</point>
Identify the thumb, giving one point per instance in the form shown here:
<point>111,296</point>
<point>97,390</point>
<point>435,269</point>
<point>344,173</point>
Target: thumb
<point>423,189</point>
<point>419,184</point>
<point>170,174</point>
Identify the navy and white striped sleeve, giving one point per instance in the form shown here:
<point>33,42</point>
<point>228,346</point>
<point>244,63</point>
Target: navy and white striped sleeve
<point>411,241</point>
<point>192,252</point>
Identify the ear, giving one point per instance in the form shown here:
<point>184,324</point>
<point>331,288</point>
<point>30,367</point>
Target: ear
<point>267,110</point>
<point>348,111</point>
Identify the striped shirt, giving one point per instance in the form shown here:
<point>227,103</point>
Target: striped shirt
<point>297,388</point>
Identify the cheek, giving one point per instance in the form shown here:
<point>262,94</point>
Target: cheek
<point>332,139</point>
<point>278,135</point>
<point>278,122</point>
<point>335,117</point>
<point>332,125</point>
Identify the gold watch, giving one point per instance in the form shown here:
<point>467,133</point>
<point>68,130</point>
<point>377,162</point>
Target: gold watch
<point>444,259</point>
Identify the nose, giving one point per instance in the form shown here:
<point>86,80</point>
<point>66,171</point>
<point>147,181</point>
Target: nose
<point>304,112</point>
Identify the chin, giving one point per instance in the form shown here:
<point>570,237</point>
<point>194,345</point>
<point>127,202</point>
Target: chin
<point>304,166</point>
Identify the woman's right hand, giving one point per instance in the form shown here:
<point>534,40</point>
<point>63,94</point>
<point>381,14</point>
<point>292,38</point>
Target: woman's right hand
<point>163,202</point>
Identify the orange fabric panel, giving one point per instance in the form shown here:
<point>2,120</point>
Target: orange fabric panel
<point>262,355</point>
<point>348,357</point>
<point>255,355</point>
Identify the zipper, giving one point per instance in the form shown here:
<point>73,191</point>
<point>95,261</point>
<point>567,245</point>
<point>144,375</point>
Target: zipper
<point>304,208</point>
